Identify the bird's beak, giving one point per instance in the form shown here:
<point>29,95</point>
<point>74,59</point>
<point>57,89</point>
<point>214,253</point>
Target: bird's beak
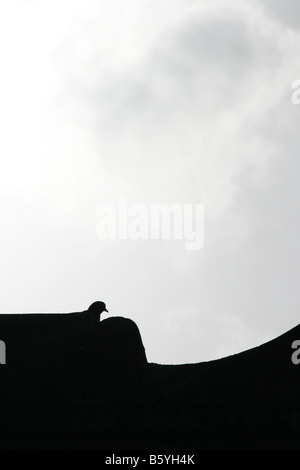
<point>105,310</point>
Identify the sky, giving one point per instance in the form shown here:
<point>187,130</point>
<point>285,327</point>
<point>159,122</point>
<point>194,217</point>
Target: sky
<point>160,102</point>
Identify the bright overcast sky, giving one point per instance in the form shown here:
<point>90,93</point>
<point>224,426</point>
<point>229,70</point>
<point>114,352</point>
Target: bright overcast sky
<point>161,101</point>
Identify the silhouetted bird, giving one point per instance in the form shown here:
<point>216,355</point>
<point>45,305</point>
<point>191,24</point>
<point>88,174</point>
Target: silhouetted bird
<point>95,310</point>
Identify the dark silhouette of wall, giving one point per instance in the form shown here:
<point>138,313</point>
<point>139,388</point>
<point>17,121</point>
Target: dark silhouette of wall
<point>116,352</point>
<point>32,338</point>
<point>68,378</point>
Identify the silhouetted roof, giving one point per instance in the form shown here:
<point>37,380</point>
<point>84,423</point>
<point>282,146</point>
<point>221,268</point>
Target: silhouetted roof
<point>45,328</point>
<point>41,337</point>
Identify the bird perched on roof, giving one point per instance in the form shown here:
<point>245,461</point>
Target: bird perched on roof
<point>95,310</point>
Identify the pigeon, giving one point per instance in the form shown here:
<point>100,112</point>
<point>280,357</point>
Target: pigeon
<point>95,310</point>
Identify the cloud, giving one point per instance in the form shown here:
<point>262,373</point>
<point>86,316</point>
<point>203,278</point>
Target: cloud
<point>287,12</point>
<point>201,77</point>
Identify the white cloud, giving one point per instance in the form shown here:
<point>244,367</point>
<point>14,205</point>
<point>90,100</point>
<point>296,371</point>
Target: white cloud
<point>287,12</point>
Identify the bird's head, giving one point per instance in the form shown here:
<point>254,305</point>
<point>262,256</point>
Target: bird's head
<point>97,307</point>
